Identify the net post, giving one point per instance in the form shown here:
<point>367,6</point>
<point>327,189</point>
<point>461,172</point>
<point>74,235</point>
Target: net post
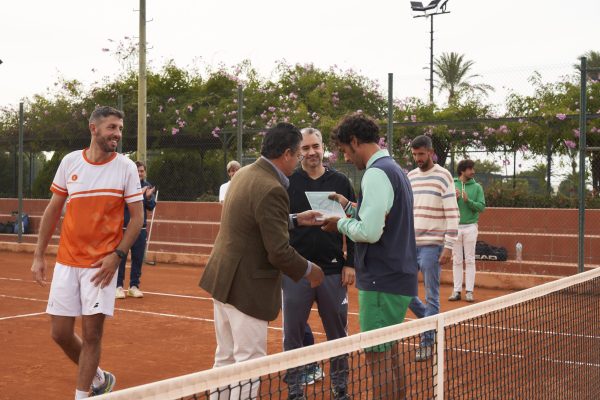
<point>439,366</point>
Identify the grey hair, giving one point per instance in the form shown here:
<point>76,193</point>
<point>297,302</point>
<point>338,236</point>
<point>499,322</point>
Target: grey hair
<point>312,131</point>
<point>104,111</point>
<point>232,164</point>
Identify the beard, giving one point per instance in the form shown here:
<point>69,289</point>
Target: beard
<point>425,165</point>
<point>106,145</point>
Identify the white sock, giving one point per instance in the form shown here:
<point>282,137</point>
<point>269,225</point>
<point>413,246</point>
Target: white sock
<point>80,394</point>
<point>98,378</point>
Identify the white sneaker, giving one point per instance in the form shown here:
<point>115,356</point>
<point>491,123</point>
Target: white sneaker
<point>134,292</point>
<point>469,297</point>
<point>455,296</point>
<point>120,293</point>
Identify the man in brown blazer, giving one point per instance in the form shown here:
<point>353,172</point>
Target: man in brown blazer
<point>252,249</point>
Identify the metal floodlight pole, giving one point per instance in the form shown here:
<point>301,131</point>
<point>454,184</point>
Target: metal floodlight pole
<point>431,62</point>
<point>141,145</point>
<point>419,7</point>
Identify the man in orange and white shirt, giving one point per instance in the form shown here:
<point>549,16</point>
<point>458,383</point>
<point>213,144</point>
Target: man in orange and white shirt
<point>96,183</point>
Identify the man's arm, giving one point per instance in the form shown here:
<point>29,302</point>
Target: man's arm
<point>272,215</point>
<point>452,216</point>
<point>378,197</point>
<point>149,197</point>
<point>109,264</point>
<point>47,226</point>
<point>348,271</point>
<point>476,204</point>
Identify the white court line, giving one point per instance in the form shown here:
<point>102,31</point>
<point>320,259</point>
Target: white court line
<point>316,333</point>
<point>531,331</point>
<point>494,353</point>
<point>144,312</point>
<point>22,316</point>
<point>181,296</point>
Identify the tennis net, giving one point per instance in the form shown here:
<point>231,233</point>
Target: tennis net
<point>539,343</point>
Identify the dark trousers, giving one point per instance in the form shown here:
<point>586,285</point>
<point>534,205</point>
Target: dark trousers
<point>332,302</point>
<point>137,259</point>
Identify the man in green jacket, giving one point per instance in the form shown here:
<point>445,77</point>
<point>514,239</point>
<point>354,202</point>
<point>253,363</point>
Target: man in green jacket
<point>471,202</point>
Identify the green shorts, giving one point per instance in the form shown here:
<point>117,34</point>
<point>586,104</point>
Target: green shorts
<point>378,310</point>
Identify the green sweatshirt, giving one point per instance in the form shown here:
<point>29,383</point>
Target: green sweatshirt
<point>470,209</point>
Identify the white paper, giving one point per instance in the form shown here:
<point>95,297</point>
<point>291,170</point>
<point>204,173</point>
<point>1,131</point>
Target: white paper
<point>320,201</point>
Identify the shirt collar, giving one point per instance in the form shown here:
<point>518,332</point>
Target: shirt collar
<point>282,178</point>
<point>377,156</point>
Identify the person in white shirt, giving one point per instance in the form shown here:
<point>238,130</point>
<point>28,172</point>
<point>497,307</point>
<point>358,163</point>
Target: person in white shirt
<point>232,167</point>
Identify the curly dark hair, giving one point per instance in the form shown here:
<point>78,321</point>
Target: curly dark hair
<point>357,125</point>
<point>278,139</point>
<point>464,165</point>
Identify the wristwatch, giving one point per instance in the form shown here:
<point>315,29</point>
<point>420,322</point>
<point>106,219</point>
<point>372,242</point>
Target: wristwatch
<point>122,255</point>
<point>295,220</point>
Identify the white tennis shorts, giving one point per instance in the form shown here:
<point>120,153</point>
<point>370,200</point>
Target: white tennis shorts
<point>73,294</point>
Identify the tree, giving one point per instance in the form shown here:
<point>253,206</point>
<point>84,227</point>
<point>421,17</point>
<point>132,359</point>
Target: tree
<point>593,61</point>
<point>454,75</point>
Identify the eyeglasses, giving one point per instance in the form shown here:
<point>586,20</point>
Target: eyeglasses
<point>300,157</point>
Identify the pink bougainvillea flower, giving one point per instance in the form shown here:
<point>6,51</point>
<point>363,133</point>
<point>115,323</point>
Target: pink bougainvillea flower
<point>171,100</point>
<point>174,131</point>
<point>272,109</point>
<point>382,144</point>
<point>333,157</point>
<point>215,132</point>
<point>190,108</point>
<point>570,144</point>
<point>576,133</point>
<point>561,116</point>
<point>413,118</point>
<point>177,112</point>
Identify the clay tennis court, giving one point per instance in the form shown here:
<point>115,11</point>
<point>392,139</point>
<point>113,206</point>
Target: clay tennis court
<point>166,334</point>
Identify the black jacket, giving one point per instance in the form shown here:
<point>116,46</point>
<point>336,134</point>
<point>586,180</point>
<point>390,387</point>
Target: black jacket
<point>323,248</point>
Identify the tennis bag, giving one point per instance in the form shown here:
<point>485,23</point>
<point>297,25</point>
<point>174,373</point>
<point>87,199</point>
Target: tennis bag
<point>487,252</point>
<point>7,227</point>
<point>13,227</point>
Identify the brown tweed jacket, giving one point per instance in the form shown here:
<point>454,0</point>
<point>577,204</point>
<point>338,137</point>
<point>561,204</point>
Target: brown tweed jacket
<point>252,248</point>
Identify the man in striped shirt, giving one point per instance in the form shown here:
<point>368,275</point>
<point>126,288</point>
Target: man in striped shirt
<point>436,229</point>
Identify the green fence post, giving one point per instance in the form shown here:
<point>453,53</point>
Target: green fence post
<point>390,123</point>
<point>20,183</point>
<point>240,118</point>
<point>120,107</point>
<point>582,153</point>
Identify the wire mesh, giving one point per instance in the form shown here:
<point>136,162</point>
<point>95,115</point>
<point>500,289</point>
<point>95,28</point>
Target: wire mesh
<point>540,343</point>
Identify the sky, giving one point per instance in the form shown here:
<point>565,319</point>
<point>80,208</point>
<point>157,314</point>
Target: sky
<point>507,39</point>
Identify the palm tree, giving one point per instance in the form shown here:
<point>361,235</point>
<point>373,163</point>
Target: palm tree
<point>593,61</point>
<point>453,73</point>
